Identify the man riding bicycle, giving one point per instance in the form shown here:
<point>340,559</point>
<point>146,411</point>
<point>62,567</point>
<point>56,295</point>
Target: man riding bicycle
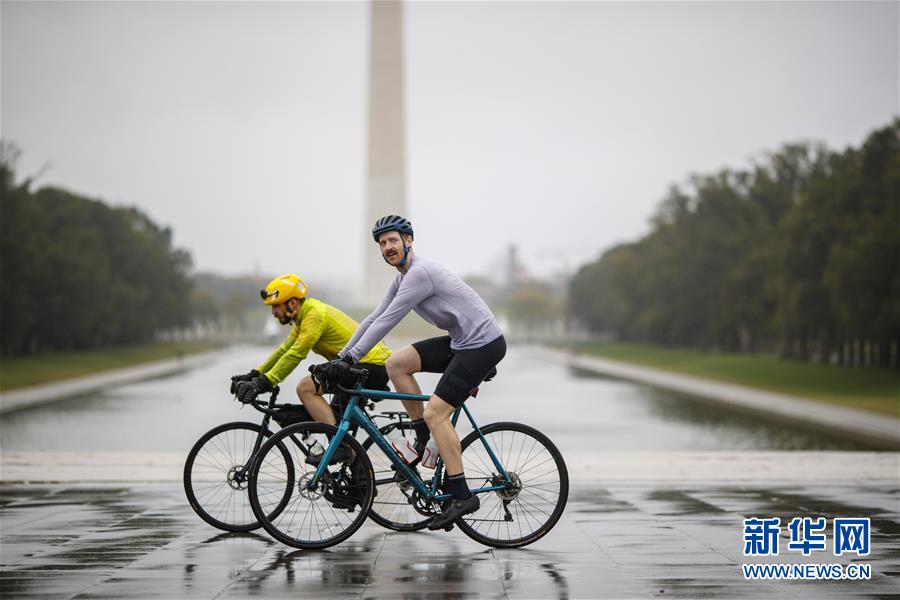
<point>319,327</point>
<point>466,356</point>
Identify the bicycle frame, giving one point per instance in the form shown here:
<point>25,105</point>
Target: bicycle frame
<point>268,409</point>
<point>355,415</point>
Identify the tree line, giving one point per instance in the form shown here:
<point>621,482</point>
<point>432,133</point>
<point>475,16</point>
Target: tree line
<point>79,274</point>
<point>798,255</point>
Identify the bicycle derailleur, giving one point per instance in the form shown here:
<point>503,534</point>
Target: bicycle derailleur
<point>508,493</point>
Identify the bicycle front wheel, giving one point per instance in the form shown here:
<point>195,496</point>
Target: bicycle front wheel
<point>317,517</point>
<point>216,473</point>
<point>526,510</point>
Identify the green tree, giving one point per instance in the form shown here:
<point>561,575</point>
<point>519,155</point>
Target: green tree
<point>79,274</point>
<point>800,254</point>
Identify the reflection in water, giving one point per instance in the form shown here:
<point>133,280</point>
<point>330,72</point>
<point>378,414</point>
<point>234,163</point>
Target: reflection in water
<point>778,502</point>
<point>348,565</point>
<point>355,565</point>
<point>748,431</point>
<point>233,552</point>
<point>303,567</point>
<point>121,528</point>
<point>579,412</point>
<point>240,536</point>
<point>627,540</point>
<point>681,502</point>
<point>537,574</point>
<point>599,501</point>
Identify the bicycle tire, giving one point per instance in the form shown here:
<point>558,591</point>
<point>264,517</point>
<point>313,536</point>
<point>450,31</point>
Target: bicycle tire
<point>213,473</point>
<point>391,507</point>
<point>287,526</point>
<point>536,464</point>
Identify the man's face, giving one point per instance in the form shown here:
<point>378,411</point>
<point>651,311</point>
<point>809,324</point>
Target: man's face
<point>391,245</point>
<point>279,312</point>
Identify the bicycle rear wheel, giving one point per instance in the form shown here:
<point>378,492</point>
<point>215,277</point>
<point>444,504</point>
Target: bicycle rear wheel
<point>313,518</point>
<point>527,510</point>
<point>396,505</point>
<point>216,472</point>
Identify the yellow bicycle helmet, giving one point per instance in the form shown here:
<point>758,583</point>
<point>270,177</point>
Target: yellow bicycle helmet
<point>281,289</point>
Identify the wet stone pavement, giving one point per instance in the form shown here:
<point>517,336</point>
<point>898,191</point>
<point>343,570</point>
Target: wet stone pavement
<point>627,540</point>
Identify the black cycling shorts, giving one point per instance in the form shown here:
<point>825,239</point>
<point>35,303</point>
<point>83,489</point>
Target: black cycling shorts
<point>463,370</point>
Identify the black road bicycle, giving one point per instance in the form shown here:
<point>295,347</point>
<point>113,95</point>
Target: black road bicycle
<point>217,468</point>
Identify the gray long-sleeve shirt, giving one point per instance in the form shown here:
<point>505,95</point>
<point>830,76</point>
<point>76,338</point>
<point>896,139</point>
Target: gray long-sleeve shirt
<point>436,295</point>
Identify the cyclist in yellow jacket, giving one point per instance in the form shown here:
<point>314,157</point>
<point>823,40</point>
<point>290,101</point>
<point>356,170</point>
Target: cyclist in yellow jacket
<point>317,326</point>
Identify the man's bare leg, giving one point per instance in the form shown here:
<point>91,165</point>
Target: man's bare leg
<point>400,367</point>
<point>437,415</point>
<point>463,501</point>
<point>315,403</point>
<point>318,408</point>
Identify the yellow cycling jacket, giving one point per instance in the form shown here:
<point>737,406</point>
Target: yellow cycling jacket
<point>323,329</point>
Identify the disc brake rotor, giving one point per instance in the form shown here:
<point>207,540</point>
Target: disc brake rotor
<point>237,477</point>
<point>314,493</point>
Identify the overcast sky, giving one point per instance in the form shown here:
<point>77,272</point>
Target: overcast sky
<point>554,126</point>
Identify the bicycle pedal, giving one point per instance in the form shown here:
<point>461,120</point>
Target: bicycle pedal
<point>449,527</point>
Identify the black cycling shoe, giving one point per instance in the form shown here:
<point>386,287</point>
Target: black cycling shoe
<point>454,510</point>
<point>348,503</point>
<point>348,488</point>
<point>343,491</point>
<point>342,454</point>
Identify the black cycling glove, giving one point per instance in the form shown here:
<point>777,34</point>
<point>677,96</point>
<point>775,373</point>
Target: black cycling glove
<point>247,391</point>
<point>335,369</point>
<point>244,377</point>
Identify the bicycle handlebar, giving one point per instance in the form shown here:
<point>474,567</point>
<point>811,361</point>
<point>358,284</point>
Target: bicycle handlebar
<point>331,386</point>
<point>270,407</point>
<point>351,370</point>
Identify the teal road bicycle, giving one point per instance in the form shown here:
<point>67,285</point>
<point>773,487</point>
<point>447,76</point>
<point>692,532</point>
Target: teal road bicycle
<point>519,473</point>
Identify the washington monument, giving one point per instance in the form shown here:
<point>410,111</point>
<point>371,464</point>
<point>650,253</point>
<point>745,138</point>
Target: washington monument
<point>386,151</point>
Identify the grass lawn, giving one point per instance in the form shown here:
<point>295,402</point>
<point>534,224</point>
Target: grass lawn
<point>875,390</point>
<point>56,366</point>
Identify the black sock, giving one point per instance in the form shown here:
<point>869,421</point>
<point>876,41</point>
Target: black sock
<point>458,487</point>
<point>423,434</point>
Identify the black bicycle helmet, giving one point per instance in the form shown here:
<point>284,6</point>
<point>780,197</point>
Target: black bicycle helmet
<point>391,223</point>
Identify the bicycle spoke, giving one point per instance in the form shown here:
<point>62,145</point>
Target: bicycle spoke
<point>306,517</point>
<point>213,476</point>
<point>539,489</point>
<point>520,473</point>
